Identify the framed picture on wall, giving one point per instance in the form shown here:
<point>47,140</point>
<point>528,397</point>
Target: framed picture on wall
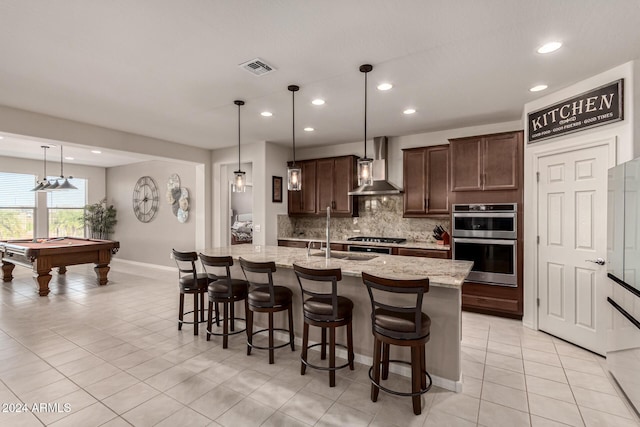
<point>276,192</point>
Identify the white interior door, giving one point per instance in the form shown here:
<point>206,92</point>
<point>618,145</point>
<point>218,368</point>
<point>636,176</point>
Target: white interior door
<point>572,201</point>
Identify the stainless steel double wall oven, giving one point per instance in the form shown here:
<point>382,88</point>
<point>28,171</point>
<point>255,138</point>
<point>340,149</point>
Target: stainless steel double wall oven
<point>487,235</point>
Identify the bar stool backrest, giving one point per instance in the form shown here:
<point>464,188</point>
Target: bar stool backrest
<point>186,262</point>
<point>306,278</point>
<point>415,287</point>
<point>214,266</point>
<point>259,274</point>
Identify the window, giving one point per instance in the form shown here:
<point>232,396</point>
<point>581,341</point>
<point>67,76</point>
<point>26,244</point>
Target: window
<point>17,205</point>
<point>66,210</point>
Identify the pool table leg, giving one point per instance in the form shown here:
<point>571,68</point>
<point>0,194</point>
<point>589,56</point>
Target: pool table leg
<point>43,278</point>
<point>101,271</point>
<point>7,271</point>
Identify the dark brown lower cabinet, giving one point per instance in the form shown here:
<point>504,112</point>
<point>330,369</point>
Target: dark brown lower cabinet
<point>490,299</point>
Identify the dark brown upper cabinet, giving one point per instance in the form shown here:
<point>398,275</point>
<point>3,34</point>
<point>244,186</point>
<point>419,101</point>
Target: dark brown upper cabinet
<point>485,163</point>
<point>326,182</point>
<point>426,181</point>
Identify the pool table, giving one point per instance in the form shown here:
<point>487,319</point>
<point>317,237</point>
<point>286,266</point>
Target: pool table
<point>42,255</point>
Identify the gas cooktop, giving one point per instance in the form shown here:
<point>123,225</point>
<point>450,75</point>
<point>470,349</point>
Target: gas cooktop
<point>377,239</point>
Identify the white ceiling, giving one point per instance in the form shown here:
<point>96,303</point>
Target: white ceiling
<point>169,69</point>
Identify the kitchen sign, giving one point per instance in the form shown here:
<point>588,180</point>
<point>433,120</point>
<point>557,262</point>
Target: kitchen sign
<point>589,109</point>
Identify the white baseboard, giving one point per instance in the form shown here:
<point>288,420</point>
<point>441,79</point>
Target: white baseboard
<point>142,264</point>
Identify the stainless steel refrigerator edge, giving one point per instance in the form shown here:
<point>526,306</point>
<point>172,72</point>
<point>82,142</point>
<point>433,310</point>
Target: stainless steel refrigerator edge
<point>623,253</point>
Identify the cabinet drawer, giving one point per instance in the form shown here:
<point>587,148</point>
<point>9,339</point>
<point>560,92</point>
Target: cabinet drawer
<point>427,253</point>
<point>491,303</point>
<point>292,243</point>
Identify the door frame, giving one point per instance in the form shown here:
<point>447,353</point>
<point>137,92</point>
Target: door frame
<point>531,260</point>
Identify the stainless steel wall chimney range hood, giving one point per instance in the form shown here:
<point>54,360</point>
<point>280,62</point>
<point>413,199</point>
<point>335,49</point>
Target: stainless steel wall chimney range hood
<point>380,184</point>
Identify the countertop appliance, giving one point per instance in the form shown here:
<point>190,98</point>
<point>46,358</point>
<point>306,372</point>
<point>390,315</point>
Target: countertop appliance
<point>623,243</point>
<point>373,249</point>
<point>377,239</point>
<point>486,234</point>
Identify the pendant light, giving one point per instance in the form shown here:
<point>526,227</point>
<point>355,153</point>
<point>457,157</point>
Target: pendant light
<point>43,184</point>
<point>365,164</point>
<point>294,173</point>
<point>65,185</point>
<point>239,182</point>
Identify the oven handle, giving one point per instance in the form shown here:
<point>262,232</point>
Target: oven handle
<point>489,241</point>
<point>485,215</point>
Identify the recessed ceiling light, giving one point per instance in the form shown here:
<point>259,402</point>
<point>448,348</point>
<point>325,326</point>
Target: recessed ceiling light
<point>409,111</point>
<point>549,47</point>
<point>309,129</point>
<point>68,158</point>
<point>266,114</point>
<point>318,101</point>
<point>96,151</point>
<point>1,137</point>
<point>538,88</point>
<point>385,86</point>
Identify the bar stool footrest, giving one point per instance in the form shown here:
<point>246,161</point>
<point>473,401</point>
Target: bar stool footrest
<point>399,393</point>
<point>220,334</point>
<point>326,368</point>
<point>269,348</point>
<point>184,322</point>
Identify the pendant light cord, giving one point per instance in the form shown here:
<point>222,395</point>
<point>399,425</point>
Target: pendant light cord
<point>365,114</point>
<point>293,125</point>
<point>293,89</point>
<point>238,136</point>
<point>44,147</point>
<point>61,170</point>
<point>239,104</point>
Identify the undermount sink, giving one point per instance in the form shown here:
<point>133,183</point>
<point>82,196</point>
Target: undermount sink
<point>347,256</point>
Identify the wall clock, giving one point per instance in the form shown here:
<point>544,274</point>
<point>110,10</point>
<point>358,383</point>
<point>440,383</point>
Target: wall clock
<point>145,199</point>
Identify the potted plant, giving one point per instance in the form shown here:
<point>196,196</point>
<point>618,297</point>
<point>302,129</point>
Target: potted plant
<point>100,219</point>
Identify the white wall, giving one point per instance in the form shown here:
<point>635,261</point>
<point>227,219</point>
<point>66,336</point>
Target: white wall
<point>96,177</point>
<point>152,242</point>
<point>624,132</point>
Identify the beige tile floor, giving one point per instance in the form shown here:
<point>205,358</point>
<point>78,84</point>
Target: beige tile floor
<point>114,355</point>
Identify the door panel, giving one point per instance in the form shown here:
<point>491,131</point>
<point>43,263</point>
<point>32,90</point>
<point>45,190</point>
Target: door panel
<point>572,194</point>
<point>324,186</point>
<point>500,162</point>
<point>342,184</point>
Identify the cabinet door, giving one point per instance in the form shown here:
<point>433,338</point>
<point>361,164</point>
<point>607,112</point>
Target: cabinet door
<point>437,164</point>
<point>309,187</point>
<point>324,184</point>
<point>304,201</point>
<point>415,182</point>
<point>343,179</point>
<point>500,162</point>
<point>466,164</point>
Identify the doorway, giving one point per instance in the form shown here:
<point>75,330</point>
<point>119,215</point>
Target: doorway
<point>572,218</point>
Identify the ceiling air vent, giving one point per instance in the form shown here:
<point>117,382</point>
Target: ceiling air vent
<point>257,67</point>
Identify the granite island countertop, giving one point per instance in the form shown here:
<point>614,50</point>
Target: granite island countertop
<point>441,272</point>
<point>408,244</point>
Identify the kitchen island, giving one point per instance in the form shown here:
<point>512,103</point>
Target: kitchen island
<point>442,303</point>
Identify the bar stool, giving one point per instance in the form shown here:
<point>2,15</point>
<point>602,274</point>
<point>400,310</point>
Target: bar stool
<point>186,262</point>
<point>226,290</point>
<point>402,325</point>
<point>265,297</point>
<point>323,307</point>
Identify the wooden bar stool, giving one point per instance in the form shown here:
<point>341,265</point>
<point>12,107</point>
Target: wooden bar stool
<point>322,307</point>
<point>225,290</point>
<point>399,324</point>
<point>265,297</point>
<point>190,282</point>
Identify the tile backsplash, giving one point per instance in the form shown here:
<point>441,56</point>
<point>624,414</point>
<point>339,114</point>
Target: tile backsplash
<point>380,216</point>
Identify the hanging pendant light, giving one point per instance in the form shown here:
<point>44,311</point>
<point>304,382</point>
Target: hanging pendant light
<point>65,185</point>
<point>43,184</point>
<point>365,164</point>
<point>294,173</point>
<point>239,181</point>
